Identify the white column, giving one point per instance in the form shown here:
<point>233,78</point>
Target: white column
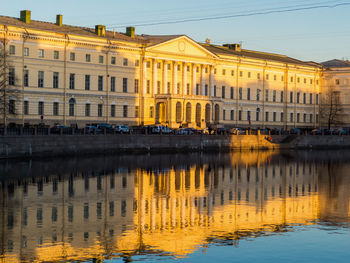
<point>165,78</point>
<point>211,80</point>
<point>203,79</point>
<point>194,79</point>
<point>184,79</point>
<point>154,77</point>
<point>174,78</point>
<point>144,77</point>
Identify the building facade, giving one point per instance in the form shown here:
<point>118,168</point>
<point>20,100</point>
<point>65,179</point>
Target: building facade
<point>74,75</point>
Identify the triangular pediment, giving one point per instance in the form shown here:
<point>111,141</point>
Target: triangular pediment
<point>183,46</point>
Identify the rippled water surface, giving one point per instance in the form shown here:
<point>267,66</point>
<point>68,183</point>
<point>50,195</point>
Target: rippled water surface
<point>237,207</point>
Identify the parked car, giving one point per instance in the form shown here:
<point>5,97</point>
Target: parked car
<point>161,129</point>
<point>92,129</point>
<point>185,131</point>
<point>57,128</point>
<point>106,126</point>
<point>295,131</point>
<point>122,129</point>
<point>316,131</point>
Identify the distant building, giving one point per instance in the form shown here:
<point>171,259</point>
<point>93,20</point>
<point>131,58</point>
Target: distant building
<point>76,75</point>
<point>336,76</point>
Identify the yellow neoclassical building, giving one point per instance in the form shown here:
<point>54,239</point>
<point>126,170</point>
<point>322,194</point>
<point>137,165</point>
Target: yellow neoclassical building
<point>77,75</point>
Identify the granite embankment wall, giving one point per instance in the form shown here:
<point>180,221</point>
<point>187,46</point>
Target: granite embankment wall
<point>55,145</point>
<point>317,142</point>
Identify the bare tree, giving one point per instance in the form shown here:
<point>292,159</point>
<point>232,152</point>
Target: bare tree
<point>8,90</point>
<point>331,108</point>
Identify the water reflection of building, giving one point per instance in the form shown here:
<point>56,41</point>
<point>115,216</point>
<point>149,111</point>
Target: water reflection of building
<point>121,212</point>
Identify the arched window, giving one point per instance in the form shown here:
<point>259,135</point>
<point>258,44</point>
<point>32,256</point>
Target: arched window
<point>178,112</point>
<point>198,114</point>
<point>217,113</point>
<point>207,113</point>
<point>71,107</point>
<point>188,112</point>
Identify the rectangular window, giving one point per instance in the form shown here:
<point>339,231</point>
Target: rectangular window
<point>87,109</point>
<point>55,80</point>
<point>41,53</point>
<point>197,89</point>
<point>206,89</point>
<point>125,85</point>
<point>55,109</point>
<point>26,51</point>
<point>257,117</point>
<point>291,97</point>
<point>267,76</point>
<point>158,86</point>
<point>41,108</point>
<point>311,98</point>
<point>249,74</point>
<point>12,50</point>
<point>224,72</point>
<point>100,59</point>
<point>316,118</point>
<point>125,61</point>
<point>282,96</point>
<point>241,73</point>
<point>274,116</point>
<point>12,76</point>
<point>137,110</point>
<point>274,93</point>
<point>188,89</point>
<point>291,117</point>
<point>282,116</point>
<point>317,99</point>
<point>100,83</point>
<point>136,86</point>
<point>232,93</point>
<point>311,117</point>
<point>223,114</point>
<point>148,86</point>
<point>239,115</point>
<point>72,56</point>
<point>113,60</point>
<point>214,90</point>
<point>266,116</point>
<point>125,111</point>
<point>151,112</point>
<point>12,106</point>
<point>99,110</point>
<point>291,79</point>
<point>112,110</point>
<point>88,58</point>
<point>232,72</point>
<point>26,107</point>
<point>304,98</point>
<point>168,86</point>
<point>232,115</point>
<point>248,115</point>
<point>304,117</point>
<point>112,84</point>
<point>87,82</point>
<point>240,92</point>
<point>223,91</point>
<point>71,81</point>
<point>56,54</point>
<point>298,117</point>
<point>40,79</point>
<point>258,76</point>
<point>258,94</point>
<point>298,97</point>
<point>137,63</point>
<point>267,95</point>
<point>248,94</point>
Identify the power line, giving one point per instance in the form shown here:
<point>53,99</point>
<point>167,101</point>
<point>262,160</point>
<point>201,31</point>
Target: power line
<point>267,12</point>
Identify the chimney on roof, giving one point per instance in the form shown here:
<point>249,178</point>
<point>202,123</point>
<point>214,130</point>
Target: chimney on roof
<point>130,31</point>
<point>100,30</point>
<point>25,16</point>
<point>235,47</point>
<point>59,20</point>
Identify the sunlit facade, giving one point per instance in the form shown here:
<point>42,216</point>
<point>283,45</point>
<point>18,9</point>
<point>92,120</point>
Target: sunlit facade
<point>74,75</point>
<point>168,211</point>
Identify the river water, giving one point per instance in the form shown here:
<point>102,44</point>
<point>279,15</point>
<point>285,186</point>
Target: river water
<point>233,207</point>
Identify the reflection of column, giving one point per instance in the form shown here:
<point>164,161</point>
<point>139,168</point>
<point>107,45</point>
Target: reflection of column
<point>154,77</point>
<point>184,79</point>
<point>193,211</point>
<point>203,79</point>
<point>174,78</point>
<point>143,212</point>
<point>163,213</point>
<point>183,212</point>
<point>211,80</point>
<point>165,78</point>
<point>173,212</point>
<point>144,77</point>
<point>194,84</point>
<point>153,214</point>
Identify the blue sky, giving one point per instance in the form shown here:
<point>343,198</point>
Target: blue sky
<point>316,34</point>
